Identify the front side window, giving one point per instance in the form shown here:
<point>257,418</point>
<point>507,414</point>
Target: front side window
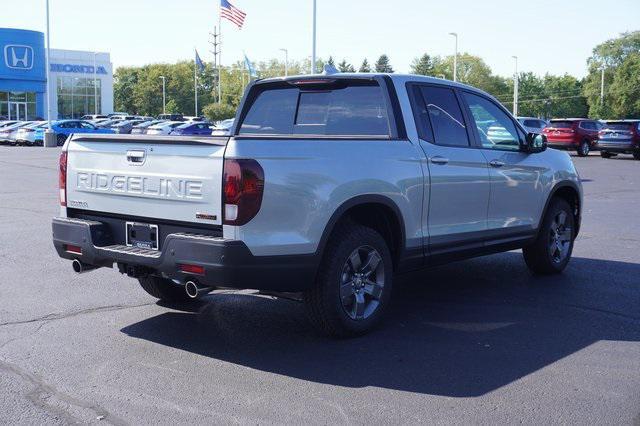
<point>494,128</point>
<point>355,108</point>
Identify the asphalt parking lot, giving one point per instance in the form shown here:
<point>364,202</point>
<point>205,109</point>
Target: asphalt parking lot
<point>479,341</point>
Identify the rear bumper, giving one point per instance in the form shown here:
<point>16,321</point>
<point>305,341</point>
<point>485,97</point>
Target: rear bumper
<point>618,147</point>
<point>227,263</point>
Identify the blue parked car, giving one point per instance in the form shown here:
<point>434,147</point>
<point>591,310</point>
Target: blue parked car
<point>64,128</point>
<point>199,128</point>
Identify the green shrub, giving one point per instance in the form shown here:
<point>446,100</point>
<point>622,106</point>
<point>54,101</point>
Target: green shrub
<point>218,112</point>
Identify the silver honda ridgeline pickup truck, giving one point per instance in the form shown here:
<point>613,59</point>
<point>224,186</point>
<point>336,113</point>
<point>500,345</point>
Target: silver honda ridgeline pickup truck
<point>328,186</point>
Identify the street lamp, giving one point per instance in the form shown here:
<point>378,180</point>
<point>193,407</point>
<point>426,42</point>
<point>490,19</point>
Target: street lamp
<point>313,50</point>
<point>49,135</point>
<point>286,62</point>
<point>455,58</point>
<point>515,88</point>
<point>95,86</point>
<point>602,86</point>
<point>164,99</point>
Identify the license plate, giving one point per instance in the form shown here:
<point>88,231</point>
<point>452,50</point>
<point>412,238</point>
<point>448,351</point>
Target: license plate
<point>142,235</point>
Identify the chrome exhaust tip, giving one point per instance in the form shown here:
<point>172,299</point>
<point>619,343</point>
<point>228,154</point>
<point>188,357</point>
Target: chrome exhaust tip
<point>80,267</point>
<point>194,290</point>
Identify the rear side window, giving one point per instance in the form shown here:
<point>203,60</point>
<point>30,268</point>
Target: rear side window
<point>352,109</point>
<point>441,116</point>
<point>561,124</point>
<point>533,123</point>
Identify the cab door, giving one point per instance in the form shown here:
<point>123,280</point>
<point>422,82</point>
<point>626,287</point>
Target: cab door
<point>516,176</point>
<point>459,180</point>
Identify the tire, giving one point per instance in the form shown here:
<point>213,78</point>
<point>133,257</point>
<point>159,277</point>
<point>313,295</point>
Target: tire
<point>605,154</point>
<point>350,295</point>
<point>164,289</point>
<point>636,155</point>
<point>60,139</point>
<point>548,254</point>
<point>583,149</point>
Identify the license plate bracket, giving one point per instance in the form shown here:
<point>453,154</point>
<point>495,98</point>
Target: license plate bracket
<point>142,235</point>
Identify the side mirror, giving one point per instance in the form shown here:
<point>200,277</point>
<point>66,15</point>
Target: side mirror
<point>534,143</point>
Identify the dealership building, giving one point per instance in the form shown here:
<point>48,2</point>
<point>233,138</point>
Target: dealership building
<point>80,82</point>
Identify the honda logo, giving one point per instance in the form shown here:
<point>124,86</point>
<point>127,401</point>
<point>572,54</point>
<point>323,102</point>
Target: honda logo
<point>18,56</point>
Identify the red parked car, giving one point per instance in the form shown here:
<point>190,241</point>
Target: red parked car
<point>620,137</point>
<point>580,134</point>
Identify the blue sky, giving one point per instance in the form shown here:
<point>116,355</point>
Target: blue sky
<point>553,36</point>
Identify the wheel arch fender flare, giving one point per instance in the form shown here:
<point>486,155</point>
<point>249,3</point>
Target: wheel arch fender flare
<point>562,185</point>
<point>358,200</point>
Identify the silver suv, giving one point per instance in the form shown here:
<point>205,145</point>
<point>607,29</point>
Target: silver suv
<point>328,185</point>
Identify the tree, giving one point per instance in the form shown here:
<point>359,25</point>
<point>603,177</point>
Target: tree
<point>219,112</point>
<point>344,66</point>
<point>125,80</point>
<point>331,61</point>
<point>564,96</point>
<point>608,55</point>
<point>422,65</point>
<point>365,66</point>
<point>472,70</point>
<point>625,88</point>
<point>383,64</point>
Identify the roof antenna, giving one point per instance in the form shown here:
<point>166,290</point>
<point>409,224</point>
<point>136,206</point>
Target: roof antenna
<point>330,69</point>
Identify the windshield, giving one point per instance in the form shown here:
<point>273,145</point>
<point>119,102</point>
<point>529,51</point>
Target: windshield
<point>561,124</point>
<point>619,126</point>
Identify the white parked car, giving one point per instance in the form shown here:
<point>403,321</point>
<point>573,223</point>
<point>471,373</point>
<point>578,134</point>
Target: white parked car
<point>27,135</point>
<point>164,128</point>
<point>532,124</point>
<point>223,128</point>
<point>8,133</point>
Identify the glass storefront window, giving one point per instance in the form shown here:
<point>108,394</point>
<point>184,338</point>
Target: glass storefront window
<point>18,105</point>
<point>77,96</point>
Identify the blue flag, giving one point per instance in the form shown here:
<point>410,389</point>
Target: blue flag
<point>199,62</point>
<point>252,71</point>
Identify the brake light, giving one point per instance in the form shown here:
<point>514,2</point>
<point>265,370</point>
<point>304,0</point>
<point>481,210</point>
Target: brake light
<point>62,178</point>
<point>243,185</point>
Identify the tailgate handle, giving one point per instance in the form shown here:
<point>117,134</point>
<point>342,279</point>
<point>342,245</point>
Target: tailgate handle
<point>136,157</point>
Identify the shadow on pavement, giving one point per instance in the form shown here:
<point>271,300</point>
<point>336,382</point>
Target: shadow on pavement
<point>460,330</point>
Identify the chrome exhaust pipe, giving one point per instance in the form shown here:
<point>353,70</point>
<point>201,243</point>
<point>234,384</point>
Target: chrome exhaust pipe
<point>81,267</point>
<point>194,290</point>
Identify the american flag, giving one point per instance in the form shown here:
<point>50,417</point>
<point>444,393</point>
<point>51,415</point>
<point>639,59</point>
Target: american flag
<point>232,13</point>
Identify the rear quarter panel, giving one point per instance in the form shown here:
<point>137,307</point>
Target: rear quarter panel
<point>306,181</point>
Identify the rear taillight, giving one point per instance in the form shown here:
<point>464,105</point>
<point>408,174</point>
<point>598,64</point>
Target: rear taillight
<point>243,185</point>
<point>62,178</point>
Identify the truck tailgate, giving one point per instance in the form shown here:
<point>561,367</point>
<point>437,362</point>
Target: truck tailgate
<point>177,179</point>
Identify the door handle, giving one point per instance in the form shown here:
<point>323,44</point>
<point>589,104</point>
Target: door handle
<point>496,163</point>
<point>439,160</point>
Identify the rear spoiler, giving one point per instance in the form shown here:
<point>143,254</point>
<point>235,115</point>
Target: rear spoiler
<point>150,139</point>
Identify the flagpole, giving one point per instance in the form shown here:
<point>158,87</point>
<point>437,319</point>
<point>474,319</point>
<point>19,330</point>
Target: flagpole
<point>220,56</point>
<point>195,80</point>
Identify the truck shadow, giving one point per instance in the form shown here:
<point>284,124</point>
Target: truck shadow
<point>461,330</point>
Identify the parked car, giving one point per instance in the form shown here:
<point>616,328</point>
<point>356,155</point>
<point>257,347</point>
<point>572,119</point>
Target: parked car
<point>122,117</point>
<point>93,117</point>
<point>223,128</point>
<point>620,137</point>
<point>6,123</point>
<point>27,135</point>
<point>194,128</point>
<point>8,133</point>
<point>106,124</point>
<point>117,113</point>
<point>125,126</point>
<point>579,134</point>
<point>390,176</point>
<point>171,117</point>
<point>193,118</point>
<point>64,128</point>
<point>141,129</point>
<point>533,124</point>
<point>163,128</point>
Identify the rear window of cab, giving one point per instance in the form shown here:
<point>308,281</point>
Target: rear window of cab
<point>325,108</point>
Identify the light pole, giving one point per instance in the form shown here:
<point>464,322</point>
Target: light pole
<point>455,58</point>
<point>164,99</point>
<point>286,62</point>
<point>515,88</point>
<point>95,86</point>
<point>602,86</point>
<point>49,136</point>
<point>313,50</point>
